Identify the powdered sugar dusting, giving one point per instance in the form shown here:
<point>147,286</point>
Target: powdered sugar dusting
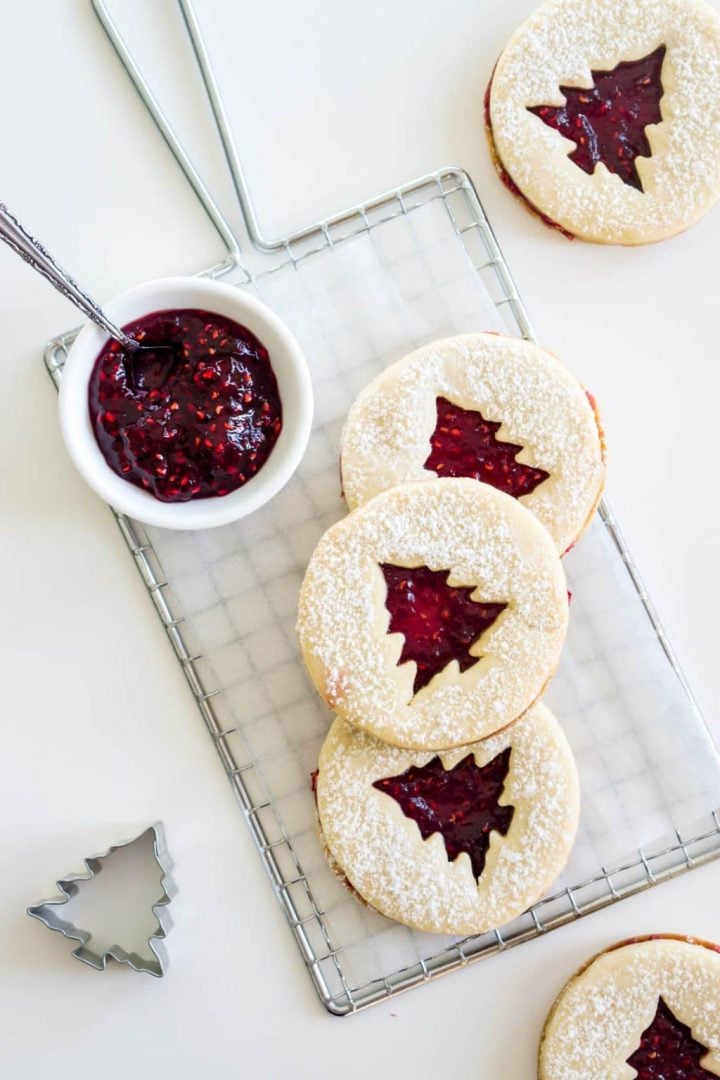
<point>561,44</point>
<point>487,540</point>
<point>542,407</point>
<point>600,1016</point>
<point>410,879</point>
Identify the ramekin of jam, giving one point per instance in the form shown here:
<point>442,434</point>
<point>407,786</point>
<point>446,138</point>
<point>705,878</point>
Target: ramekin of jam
<point>203,425</point>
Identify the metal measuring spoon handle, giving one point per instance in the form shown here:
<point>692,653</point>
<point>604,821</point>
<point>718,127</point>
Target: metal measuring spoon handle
<point>29,249</point>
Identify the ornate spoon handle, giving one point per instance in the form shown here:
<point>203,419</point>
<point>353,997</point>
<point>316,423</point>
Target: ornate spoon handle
<point>32,251</point>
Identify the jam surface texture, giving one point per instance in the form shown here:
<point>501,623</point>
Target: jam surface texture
<point>460,803</point>
<point>439,622</point>
<point>190,422</point>
<point>668,1050</point>
<point>465,444</point>
<point>607,122</point>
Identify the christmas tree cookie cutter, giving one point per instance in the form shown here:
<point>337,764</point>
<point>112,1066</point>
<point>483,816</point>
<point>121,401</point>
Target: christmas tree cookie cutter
<point>46,910</point>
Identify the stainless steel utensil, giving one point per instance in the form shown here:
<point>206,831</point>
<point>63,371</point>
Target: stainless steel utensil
<point>33,252</point>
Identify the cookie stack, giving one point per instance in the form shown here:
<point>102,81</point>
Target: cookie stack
<point>431,620</point>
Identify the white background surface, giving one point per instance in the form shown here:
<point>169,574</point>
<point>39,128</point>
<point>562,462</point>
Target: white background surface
<point>333,103</point>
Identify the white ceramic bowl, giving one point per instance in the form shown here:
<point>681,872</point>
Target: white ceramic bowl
<point>294,386</point>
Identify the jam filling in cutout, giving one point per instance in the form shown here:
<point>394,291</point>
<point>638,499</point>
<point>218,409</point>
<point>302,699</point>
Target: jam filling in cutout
<point>607,121</point>
<point>188,422</point>
<point>439,622</point>
<point>464,443</point>
<point>668,1051</point>
<point>460,803</point>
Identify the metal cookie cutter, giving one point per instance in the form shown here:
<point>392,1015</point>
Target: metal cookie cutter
<point>46,913</point>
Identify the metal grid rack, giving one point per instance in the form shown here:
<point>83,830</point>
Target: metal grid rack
<point>322,953</point>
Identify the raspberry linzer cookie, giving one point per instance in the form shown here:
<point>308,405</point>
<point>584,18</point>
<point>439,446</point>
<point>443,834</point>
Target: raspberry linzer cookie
<point>455,843</point>
<point>646,1008</point>
<point>488,406</point>
<point>605,117</point>
<point>433,615</point>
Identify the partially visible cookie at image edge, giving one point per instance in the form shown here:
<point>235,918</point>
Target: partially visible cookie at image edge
<point>647,1008</point>
<point>604,117</point>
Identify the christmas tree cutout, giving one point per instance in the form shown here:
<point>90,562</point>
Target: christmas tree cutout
<point>114,900</point>
<point>607,121</point>
<point>464,443</point>
<point>439,622</point>
<point>462,803</point>
<point>668,1050</point>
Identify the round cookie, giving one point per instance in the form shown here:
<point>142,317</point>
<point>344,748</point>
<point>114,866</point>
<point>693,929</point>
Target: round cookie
<point>647,1008</point>
<point>433,615</point>
<point>456,843</point>
<point>490,406</point>
<point>604,117</point>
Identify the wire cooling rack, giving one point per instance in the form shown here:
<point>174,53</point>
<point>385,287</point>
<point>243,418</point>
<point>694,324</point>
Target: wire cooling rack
<point>359,289</point>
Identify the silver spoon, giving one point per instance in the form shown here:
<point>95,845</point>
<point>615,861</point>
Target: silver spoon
<point>29,249</point>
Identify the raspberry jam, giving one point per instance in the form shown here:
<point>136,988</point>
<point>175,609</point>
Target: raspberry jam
<point>668,1051</point>
<point>465,444</point>
<point>439,622</point>
<point>607,122</point>
<point>190,422</point>
<point>460,803</point>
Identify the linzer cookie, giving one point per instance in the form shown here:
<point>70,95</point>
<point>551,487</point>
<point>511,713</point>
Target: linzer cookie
<point>604,117</point>
<point>454,843</point>
<point>488,406</point>
<point>433,615</point>
<point>646,1008</point>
